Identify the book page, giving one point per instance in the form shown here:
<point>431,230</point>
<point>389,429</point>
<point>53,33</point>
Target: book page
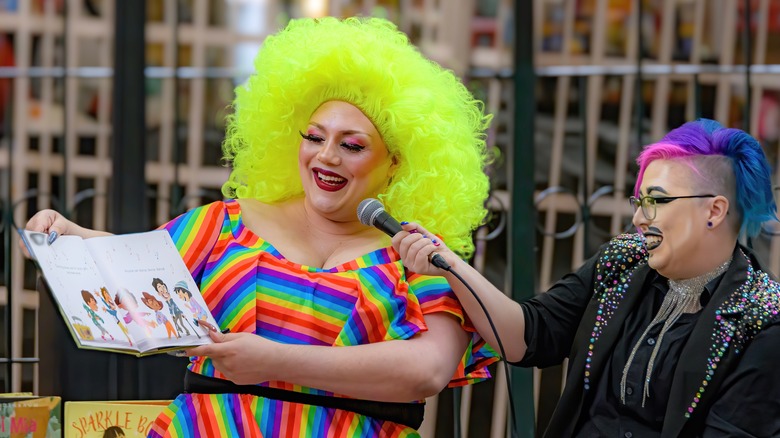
<point>157,297</point>
<point>78,289</point>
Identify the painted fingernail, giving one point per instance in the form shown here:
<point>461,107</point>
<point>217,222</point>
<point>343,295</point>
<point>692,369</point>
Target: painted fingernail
<point>413,232</point>
<point>52,237</point>
<point>226,331</point>
<point>435,242</point>
<point>404,223</point>
<point>425,236</point>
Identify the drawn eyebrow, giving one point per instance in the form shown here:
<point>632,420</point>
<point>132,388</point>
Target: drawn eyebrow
<point>651,189</point>
<point>345,132</point>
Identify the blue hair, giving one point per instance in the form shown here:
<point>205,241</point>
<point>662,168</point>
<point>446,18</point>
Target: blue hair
<point>752,173</point>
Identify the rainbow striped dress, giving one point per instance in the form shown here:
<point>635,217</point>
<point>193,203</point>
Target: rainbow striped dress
<point>250,287</point>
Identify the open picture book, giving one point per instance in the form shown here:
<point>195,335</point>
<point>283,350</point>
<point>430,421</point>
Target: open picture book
<point>129,293</point>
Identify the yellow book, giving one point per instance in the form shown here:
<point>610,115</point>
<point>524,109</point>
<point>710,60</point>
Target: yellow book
<point>111,419</point>
<point>25,416</point>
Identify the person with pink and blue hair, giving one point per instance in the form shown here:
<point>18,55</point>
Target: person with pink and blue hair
<point>672,331</point>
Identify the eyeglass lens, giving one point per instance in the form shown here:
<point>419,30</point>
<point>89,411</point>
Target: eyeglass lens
<point>646,203</point>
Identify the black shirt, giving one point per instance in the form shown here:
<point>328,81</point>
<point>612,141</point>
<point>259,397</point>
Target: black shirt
<point>749,401</point>
<point>607,415</point>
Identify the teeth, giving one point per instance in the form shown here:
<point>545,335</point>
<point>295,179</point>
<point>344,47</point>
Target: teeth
<point>330,179</point>
<point>652,242</point>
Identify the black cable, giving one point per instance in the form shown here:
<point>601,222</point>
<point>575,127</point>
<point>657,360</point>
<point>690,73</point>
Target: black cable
<point>501,350</point>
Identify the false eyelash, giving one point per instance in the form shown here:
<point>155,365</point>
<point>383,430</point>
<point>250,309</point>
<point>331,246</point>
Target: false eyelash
<point>309,137</point>
<point>353,147</point>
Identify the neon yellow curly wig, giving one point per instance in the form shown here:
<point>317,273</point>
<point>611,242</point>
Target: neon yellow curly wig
<point>426,116</point>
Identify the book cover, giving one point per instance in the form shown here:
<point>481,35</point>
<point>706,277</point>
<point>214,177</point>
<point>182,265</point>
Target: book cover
<point>28,416</point>
<point>128,293</point>
<point>111,419</point>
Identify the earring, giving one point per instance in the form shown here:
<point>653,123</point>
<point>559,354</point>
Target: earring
<point>709,224</point>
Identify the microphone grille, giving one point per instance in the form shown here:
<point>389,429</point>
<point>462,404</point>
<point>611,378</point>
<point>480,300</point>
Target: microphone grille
<point>368,209</point>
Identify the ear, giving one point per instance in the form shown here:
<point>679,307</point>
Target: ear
<point>393,168</point>
<point>719,209</point>
<point>394,162</point>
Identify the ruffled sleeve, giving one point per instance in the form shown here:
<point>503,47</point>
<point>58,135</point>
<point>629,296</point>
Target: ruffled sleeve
<point>435,295</point>
<point>195,233</point>
<point>391,303</point>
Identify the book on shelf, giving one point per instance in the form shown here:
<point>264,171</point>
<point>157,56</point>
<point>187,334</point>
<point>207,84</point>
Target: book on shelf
<point>100,419</point>
<point>129,293</point>
<point>24,415</point>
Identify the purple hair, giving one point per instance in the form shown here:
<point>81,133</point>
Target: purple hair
<point>755,200</point>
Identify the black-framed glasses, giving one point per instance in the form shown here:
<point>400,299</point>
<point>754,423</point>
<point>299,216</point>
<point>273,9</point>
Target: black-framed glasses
<point>648,203</point>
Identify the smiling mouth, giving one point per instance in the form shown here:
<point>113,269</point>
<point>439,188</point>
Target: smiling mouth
<point>328,181</point>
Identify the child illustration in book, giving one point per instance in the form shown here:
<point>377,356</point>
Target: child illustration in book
<point>184,293</point>
<point>157,306</point>
<point>90,305</point>
<point>110,307</point>
<point>127,302</point>
<point>176,313</point>
<point>113,432</point>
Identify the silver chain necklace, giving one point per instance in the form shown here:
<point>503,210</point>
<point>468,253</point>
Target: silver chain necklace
<point>683,297</point>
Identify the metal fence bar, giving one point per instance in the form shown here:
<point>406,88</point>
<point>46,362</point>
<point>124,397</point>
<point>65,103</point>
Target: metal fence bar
<point>521,252</point>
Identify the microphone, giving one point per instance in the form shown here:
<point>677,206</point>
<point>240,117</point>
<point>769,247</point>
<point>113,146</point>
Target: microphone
<point>372,213</point>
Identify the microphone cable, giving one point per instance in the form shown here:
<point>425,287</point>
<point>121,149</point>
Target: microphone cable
<point>502,352</point>
<point>372,213</point>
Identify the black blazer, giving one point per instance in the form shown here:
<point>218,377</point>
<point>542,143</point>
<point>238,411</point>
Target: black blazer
<point>745,302</point>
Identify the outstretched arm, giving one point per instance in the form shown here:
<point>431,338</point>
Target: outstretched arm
<point>394,371</point>
<point>507,315</point>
